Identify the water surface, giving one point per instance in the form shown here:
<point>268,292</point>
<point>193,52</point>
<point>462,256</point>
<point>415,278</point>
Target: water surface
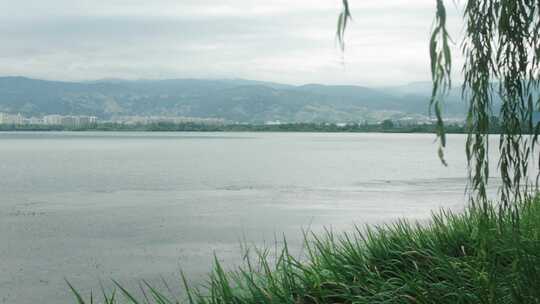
<point>130,206</point>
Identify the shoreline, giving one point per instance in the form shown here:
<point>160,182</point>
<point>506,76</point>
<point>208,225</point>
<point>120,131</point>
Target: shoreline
<point>257,128</point>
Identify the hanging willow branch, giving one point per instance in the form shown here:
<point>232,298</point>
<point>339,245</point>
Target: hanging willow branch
<point>441,68</point>
<point>343,19</point>
<point>501,48</point>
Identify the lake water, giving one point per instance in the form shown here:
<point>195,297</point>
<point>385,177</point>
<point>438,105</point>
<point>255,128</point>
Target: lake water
<point>132,206</point>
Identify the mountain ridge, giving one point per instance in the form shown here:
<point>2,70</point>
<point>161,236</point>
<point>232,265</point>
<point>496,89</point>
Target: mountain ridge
<point>237,100</point>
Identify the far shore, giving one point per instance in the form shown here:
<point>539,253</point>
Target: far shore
<point>385,127</point>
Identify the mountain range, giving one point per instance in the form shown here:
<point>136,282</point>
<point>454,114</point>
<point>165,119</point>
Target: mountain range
<point>234,100</point>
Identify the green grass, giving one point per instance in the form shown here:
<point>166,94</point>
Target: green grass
<point>479,256</point>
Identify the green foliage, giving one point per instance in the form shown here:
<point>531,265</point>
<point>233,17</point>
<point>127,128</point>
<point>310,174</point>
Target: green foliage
<point>441,68</point>
<point>501,47</point>
<point>480,256</point>
<point>386,126</point>
<point>343,19</point>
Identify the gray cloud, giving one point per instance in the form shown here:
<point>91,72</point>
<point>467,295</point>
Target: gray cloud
<point>286,41</point>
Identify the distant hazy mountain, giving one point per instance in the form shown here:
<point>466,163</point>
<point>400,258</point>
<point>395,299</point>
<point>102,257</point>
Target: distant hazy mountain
<point>233,100</point>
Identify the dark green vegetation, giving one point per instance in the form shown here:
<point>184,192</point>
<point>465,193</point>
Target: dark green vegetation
<point>479,256</point>
<point>501,50</point>
<point>232,100</point>
<point>386,126</point>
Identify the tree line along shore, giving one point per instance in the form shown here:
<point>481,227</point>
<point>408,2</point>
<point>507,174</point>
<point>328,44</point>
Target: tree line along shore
<point>385,126</point>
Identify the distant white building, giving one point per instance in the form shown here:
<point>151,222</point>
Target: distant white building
<point>35,121</point>
<point>10,119</point>
<point>53,120</point>
<point>80,121</point>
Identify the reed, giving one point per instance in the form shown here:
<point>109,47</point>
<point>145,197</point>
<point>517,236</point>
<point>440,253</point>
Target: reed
<point>479,256</point>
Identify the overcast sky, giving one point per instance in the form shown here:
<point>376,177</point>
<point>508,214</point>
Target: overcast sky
<point>289,41</point>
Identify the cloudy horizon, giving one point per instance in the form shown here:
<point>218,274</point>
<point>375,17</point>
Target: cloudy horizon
<point>281,41</point>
